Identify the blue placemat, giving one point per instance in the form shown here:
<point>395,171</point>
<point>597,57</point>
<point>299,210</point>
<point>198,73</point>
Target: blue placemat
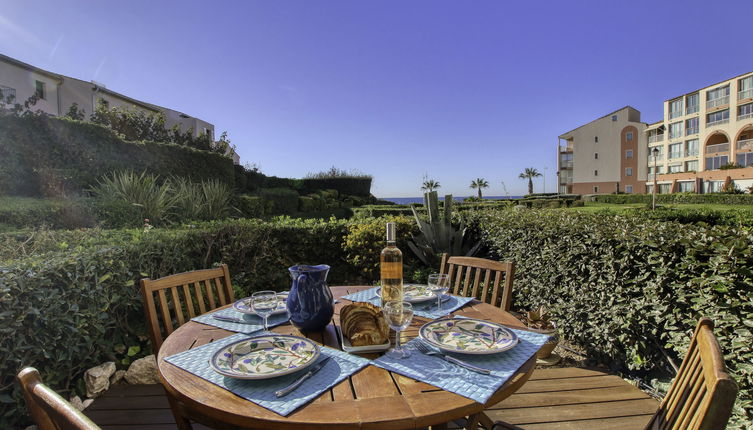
<point>262,392</point>
<point>426,309</point>
<point>256,322</point>
<point>459,380</point>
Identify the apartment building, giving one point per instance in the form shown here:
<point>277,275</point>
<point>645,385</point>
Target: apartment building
<point>57,93</point>
<point>703,133</point>
<point>607,155</point>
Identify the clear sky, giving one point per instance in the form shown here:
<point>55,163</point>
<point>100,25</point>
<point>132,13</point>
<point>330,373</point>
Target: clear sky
<point>398,89</point>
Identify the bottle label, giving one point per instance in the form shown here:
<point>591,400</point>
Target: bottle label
<point>391,271</point>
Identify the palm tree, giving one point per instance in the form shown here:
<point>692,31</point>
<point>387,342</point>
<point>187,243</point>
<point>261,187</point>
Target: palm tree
<point>430,185</point>
<point>529,174</point>
<point>478,184</point>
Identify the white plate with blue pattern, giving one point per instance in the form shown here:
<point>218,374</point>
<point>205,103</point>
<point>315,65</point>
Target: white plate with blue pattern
<point>468,336</point>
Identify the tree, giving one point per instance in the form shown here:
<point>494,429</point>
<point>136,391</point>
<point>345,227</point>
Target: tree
<point>529,174</point>
<point>430,185</point>
<point>478,184</point>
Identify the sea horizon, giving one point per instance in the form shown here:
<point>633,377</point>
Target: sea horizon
<point>409,200</point>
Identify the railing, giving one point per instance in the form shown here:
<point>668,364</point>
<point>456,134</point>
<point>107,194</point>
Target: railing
<point>6,92</point>
<point>566,180</point>
<point>659,157</point>
<point>691,109</point>
<point>691,130</point>
<point>720,101</point>
<point>656,138</point>
<point>677,135</point>
<point>675,114</point>
<point>719,147</point>
<point>746,94</point>
<point>745,145</point>
<point>566,164</point>
<point>565,149</point>
<point>693,153</point>
<point>717,122</point>
<point>675,155</point>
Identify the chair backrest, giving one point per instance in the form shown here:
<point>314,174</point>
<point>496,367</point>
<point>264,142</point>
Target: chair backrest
<point>702,394</point>
<point>47,408</point>
<point>182,297</point>
<point>480,278</point>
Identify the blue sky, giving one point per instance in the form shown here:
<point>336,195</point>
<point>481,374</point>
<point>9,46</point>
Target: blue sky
<point>450,89</point>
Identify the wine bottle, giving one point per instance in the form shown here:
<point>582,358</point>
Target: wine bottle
<point>391,268</point>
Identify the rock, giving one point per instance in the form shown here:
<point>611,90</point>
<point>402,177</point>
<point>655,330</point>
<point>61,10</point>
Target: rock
<point>117,377</point>
<point>98,379</point>
<point>77,403</point>
<point>143,371</point>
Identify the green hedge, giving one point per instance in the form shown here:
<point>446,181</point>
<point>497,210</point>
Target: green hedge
<point>355,186</point>
<point>69,299</point>
<point>53,156</point>
<point>626,287</point>
<point>27,212</point>
<point>284,200</point>
<point>678,198</point>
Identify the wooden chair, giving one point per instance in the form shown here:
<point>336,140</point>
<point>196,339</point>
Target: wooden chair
<point>470,274</point>
<point>182,297</point>
<point>47,408</point>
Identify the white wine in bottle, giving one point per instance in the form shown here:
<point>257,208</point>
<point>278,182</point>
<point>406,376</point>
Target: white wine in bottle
<point>391,268</point>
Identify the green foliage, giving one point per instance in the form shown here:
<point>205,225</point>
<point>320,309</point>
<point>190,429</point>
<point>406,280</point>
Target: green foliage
<point>26,212</point>
<point>628,288</point>
<point>253,206</point>
<point>215,200</point>
<point>45,156</point>
<point>478,184</point>
<point>678,198</point>
<point>151,200</point>
<point>75,113</point>
<point>366,239</point>
<point>284,200</point>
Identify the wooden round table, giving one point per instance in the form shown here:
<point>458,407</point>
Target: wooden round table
<point>370,398</point>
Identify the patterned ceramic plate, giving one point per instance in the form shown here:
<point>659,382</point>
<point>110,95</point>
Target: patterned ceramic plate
<point>244,305</point>
<point>265,357</point>
<point>468,336</point>
<point>414,293</point>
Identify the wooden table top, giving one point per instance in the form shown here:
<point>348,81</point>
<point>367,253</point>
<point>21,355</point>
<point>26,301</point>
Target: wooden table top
<point>370,398</point>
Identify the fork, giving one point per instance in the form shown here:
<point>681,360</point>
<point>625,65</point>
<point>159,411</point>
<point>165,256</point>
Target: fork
<point>426,349</point>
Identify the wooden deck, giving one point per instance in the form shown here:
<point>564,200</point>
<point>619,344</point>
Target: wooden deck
<point>563,398</point>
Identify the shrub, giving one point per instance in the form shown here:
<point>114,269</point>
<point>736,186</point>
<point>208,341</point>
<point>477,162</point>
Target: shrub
<point>26,212</point>
<point>628,288</point>
<point>154,201</point>
<point>252,206</point>
<point>678,198</point>
<point>356,186</point>
<point>216,198</point>
<point>284,200</point>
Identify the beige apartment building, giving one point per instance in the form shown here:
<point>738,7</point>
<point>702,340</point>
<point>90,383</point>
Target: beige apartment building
<point>58,92</point>
<point>605,156</point>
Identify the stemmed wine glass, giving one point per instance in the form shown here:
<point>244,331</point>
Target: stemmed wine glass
<point>398,315</point>
<point>264,303</point>
<point>439,283</point>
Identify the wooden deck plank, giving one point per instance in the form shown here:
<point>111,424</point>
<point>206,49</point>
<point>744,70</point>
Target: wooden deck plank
<point>583,411</point>
<point>564,373</point>
<point>589,395</point>
<point>620,423</point>
<point>544,385</point>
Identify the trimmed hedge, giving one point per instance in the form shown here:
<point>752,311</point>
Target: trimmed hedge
<point>69,300</point>
<point>355,186</point>
<point>677,198</point>
<point>45,156</point>
<point>626,287</point>
<point>26,212</point>
<point>284,200</point>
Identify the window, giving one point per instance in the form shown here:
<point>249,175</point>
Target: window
<point>39,92</point>
<point>629,189</point>
<point>714,186</point>
<point>745,111</point>
<point>629,153</point>
<point>717,97</point>
<point>719,117</point>
<point>628,171</point>
<point>691,166</point>
<point>675,130</point>
<point>691,148</point>
<point>596,173</point>
<point>659,156</point>
<point>596,155</point>
<point>692,104</point>
<point>629,136</point>
<point>675,168</point>
<point>664,188</point>
<point>691,126</point>
<point>686,187</point>
<point>659,170</point>
<point>614,117</point>
<point>675,108</point>
<point>745,159</point>
<point>596,139</point>
<point>675,150</point>
<point>7,93</point>
<point>596,188</point>
<point>714,163</point>
<point>745,88</point>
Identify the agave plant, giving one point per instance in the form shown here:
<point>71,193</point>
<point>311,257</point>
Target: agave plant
<point>217,196</point>
<point>438,235</point>
<point>154,201</point>
<point>189,199</point>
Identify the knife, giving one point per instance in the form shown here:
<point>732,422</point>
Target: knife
<point>297,383</point>
<point>232,320</point>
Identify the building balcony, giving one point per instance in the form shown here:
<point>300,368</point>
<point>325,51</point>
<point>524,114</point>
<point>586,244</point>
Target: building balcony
<point>656,138</point>
<point>718,122</point>
<point>691,153</point>
<point>673,155</point>
<point>675,114</point>
<point>742,95</point>
<point>566,165</point>
<point>691,109</point>
<point>718,148</point>
<point>715,103</point>
<point>566,180</point>
<point>566,149</point>
<point>745,116</point>
<point>691,130</point>
<point>676,136</point>
<point>744,145</point>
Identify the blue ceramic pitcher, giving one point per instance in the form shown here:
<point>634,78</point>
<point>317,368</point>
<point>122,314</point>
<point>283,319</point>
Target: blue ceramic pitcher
<point>310,300</point>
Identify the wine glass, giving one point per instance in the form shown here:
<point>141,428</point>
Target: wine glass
<point>398,315</point>
<point>264,303</point>
<point>439,283</point>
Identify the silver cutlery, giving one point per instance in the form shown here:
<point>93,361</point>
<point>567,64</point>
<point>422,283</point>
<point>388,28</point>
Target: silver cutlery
<point>298,382</point>
<point>232,319</point>
<point>426,349</point>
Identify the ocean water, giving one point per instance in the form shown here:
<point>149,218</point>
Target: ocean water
<point>409,200</point>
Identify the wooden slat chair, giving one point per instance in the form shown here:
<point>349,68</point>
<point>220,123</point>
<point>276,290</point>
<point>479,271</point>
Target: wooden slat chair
<point>480,278</point>
<point>182,297</point>
<point>47,408</point>
<point>700,397</point>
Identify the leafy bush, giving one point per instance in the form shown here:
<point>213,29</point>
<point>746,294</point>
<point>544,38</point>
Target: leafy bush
<point>253,206</point>
<point>678,198</point>
<point>628,288</point>
<point>154,201</point>
<point>284,200</point>
<point>56,156</point>
<point>26,212</point>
